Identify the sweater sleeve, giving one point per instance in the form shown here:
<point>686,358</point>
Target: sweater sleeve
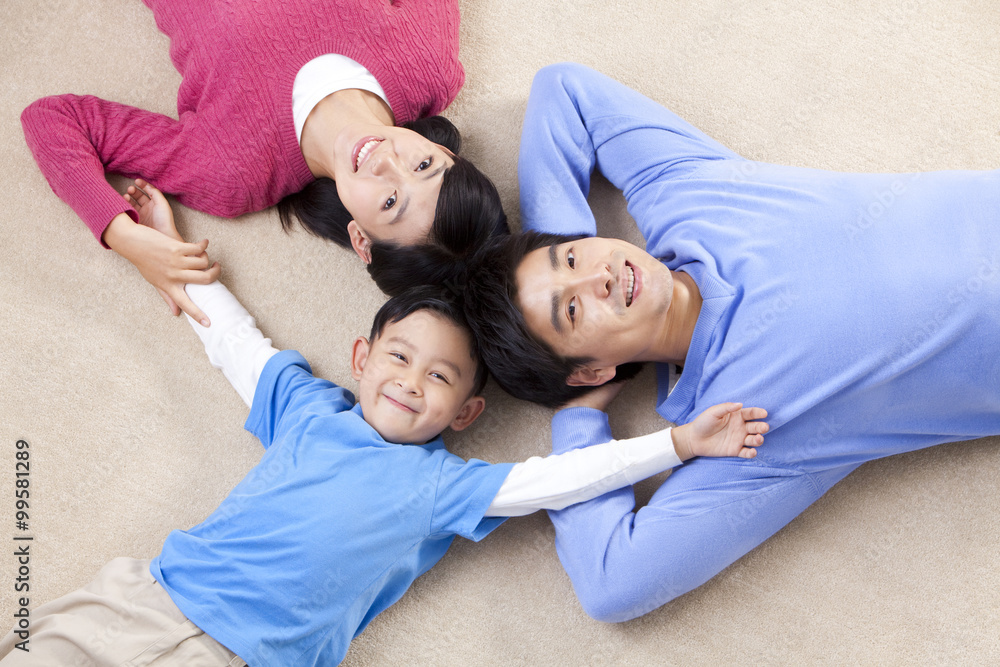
<point>578,119</point>
<point>75,139</point>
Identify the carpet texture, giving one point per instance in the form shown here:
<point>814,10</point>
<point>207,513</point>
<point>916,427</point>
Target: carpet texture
<point>133,434</point>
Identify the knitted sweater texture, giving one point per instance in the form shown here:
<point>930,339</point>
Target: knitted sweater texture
<point>233,148</point>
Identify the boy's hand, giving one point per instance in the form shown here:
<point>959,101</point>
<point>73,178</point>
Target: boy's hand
<point>159,252</point>
<point>726,429</point>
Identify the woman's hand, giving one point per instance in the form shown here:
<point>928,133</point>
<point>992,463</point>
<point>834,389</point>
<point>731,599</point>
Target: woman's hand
<point>726,429</point>
<point>156,248</point>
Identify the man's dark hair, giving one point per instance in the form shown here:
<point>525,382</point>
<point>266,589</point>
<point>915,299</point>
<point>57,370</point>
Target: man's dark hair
<point>437,300</point>
<point>523,366</point>
<point>468,208</point>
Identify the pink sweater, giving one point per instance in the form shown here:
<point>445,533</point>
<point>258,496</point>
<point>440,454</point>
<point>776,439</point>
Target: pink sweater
<point>234,149</point>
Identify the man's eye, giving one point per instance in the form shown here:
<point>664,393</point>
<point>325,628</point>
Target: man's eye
<point>572,310</point>
<point>390,202</point>
<point>571,260</point>
<point>425,164</point>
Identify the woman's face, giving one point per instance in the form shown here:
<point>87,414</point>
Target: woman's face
<point>389,178</point>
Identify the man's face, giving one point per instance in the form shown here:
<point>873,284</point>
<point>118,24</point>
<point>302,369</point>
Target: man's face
<point>416,378</point>
<point>598,298</point>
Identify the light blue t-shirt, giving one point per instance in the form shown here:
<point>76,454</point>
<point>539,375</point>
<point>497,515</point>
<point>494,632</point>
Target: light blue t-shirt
<point>328,530</point>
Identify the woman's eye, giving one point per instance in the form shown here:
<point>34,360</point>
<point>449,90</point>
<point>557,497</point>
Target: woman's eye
<point>425,164</point>
<point>390,202</point>
<point>572,310</point>
<point>571,260</point>
<point>398,356</point>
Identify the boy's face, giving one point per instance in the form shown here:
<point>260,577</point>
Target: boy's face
<point>416,378</point>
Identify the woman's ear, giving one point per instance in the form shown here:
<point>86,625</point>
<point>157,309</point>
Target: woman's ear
<point>585,376</point>
<point>360,242</point>
<point>359,356</point>
<point>469,412</point>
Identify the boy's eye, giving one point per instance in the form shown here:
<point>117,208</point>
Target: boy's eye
<point>425,164</point>
<point>390,202</point>
<point>441,377</point>
<point>571,260</point>
<point>572,310</point>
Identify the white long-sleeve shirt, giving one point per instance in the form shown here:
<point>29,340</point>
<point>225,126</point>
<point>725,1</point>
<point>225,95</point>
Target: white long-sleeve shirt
<point>235,345</point>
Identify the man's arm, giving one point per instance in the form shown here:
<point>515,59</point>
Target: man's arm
<point>577,119</point>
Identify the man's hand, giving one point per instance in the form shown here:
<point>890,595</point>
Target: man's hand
<point>726,429</point>
<point>159,252</point>
<point>599,398</point>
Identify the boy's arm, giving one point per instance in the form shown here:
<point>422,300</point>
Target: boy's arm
<point>233,343</point>
<point>561,480</point>
<point>574,476</point>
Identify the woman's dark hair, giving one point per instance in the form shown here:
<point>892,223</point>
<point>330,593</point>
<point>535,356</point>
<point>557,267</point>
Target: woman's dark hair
<point>468,214</point>
<point>523,366</point>
<point>468,208</point>
<point>436,300</point>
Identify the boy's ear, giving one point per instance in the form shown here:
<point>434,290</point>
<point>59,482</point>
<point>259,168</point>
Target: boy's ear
<point>469,412</point>
<point>360,242</point>
<point>585,376</point>
<point>359,356</point>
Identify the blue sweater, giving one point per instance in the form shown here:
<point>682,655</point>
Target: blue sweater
<point>862,310</point>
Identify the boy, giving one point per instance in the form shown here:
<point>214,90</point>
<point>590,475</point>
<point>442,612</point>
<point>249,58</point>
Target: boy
<point>349,504</point>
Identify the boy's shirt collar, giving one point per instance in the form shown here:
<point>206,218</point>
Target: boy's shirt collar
<point>434,444</point>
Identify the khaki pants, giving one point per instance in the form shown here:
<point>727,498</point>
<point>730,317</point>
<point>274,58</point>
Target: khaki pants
<point>122,618</point>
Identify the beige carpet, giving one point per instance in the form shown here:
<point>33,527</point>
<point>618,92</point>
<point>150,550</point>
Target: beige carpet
<point>132,434</point>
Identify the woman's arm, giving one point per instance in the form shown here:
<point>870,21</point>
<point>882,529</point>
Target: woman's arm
<point>76,139</point>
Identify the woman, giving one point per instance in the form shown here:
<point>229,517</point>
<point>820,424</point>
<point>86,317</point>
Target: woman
<point>278,102</point>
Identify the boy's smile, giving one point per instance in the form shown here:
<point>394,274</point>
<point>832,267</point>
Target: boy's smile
<point>416,378</point>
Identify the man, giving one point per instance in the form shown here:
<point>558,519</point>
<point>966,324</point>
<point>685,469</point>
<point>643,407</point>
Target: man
<point>861,310</point>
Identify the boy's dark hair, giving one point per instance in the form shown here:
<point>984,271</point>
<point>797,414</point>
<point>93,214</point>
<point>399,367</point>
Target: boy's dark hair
<point>523,366</point>
<point>468,209</point>
<point>437,300</point>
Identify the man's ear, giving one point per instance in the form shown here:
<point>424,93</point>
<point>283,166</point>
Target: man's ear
<point>360,242</point>
<point>359,356</point>
<point>585,376</point>
<point>469,412</point>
